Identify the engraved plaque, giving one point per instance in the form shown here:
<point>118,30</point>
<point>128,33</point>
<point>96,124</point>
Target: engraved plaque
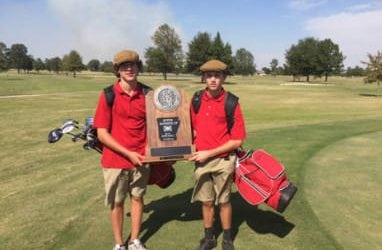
<point>167,98</point>
<point>168,127</point>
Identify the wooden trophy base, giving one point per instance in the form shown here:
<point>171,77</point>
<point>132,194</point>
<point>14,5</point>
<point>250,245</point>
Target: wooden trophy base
<point>168,131</point>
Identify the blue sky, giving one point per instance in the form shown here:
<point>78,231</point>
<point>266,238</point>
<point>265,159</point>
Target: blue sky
<point>100,28</point>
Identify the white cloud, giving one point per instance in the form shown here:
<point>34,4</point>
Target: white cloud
<point>360,7</point>
<point>100,28</point>
<point>305,4</point>
<point>356,33</point>
<point>368,6</point>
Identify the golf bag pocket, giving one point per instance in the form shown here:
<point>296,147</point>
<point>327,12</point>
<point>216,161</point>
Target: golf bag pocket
<point>259,177</point>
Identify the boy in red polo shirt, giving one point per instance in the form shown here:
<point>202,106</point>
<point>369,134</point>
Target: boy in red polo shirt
<point>214,158</point>
<point>122,130</point>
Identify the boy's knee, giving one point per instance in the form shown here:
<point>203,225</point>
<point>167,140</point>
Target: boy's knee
<point>117,205</point>
<point>208,203</point>
<point>225,204</point>
<point>136,199</point>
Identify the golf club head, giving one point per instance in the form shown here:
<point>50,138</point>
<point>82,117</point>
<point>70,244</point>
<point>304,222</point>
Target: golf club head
<point>89,121</point>
<point>55,135</point>
<point>69,125</point>
<point>88,125</point>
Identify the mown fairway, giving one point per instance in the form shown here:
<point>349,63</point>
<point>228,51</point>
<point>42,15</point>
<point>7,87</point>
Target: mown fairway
<point>329,137</point>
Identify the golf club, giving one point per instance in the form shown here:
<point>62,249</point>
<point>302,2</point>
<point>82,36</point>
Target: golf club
<point>85,133</point>
<point>55,135</point>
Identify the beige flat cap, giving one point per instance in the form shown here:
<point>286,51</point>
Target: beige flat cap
<point>213,65</point>
<point>126,56</point>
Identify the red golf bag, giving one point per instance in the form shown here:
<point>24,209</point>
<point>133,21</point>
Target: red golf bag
<point>260,177</point>
<point>161,174</point>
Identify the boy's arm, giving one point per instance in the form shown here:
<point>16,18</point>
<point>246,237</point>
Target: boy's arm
<point>105,137</point>
<point>229,146</point>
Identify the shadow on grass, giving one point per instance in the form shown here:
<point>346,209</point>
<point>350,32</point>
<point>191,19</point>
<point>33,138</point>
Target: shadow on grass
<point>260,221</point>
<point>179,208</point>
<point>169,208</point>
<point>14,79</point>
<point>370,95</point>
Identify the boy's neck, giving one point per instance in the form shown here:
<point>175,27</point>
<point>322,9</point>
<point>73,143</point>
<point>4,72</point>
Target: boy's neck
<point>214,93</point>
<point>128,87</point>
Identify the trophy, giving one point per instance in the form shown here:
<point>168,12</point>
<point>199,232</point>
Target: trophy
<point>169,135</point>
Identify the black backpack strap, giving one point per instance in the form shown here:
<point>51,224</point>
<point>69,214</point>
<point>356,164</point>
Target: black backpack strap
<point>145,89</point>
<point>109,95</point>
<point>229,106</point>
<point>197,100</point>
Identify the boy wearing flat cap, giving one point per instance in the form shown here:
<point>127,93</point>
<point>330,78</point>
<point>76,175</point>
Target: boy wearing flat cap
<point>214,159</point>
<point>121,128</point>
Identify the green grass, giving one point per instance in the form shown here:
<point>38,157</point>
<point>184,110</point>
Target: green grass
<point>349,171</point>
<point>327,135</point>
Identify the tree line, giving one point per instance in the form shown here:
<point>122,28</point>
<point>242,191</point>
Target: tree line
<point>309,57</point>
<point>17,57</point>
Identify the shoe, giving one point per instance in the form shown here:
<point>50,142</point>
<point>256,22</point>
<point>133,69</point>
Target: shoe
<point>136,245</point>
<point>227,245</point>
<point>207,244</point>
<point>119,247</point>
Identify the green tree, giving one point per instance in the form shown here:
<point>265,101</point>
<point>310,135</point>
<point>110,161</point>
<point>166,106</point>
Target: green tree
<point>222,52</point>
<point>94,65</point>
<point>374,68</point>
<point>280,71</point>
<point>301,59</point>
<point>154,58</point>
<point>274,63</point>
<point>38,65</point>
<point>330,59</point>
<point>228,58</point>
<point>4,52</point>
<point>356,71</point>
<point>199,51</point>
<point>179,65</point>
<point>266,70</point>
<point>48,66</point>
<point>28,63</point>
<point>244,62</point>
<point>107,66</point>
<point>168,51</point>
<point>217,48</point>
<point>54,64</point>
<point>18,56</point>
<point>72,62</point>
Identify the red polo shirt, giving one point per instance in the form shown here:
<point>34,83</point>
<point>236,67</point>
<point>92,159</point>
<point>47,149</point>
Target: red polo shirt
<point>210,123</point>
<point>126,121</point>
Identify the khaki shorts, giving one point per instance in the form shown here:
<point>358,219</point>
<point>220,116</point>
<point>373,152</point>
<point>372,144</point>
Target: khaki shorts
<point>120,182</point>
<point>213,180</point>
